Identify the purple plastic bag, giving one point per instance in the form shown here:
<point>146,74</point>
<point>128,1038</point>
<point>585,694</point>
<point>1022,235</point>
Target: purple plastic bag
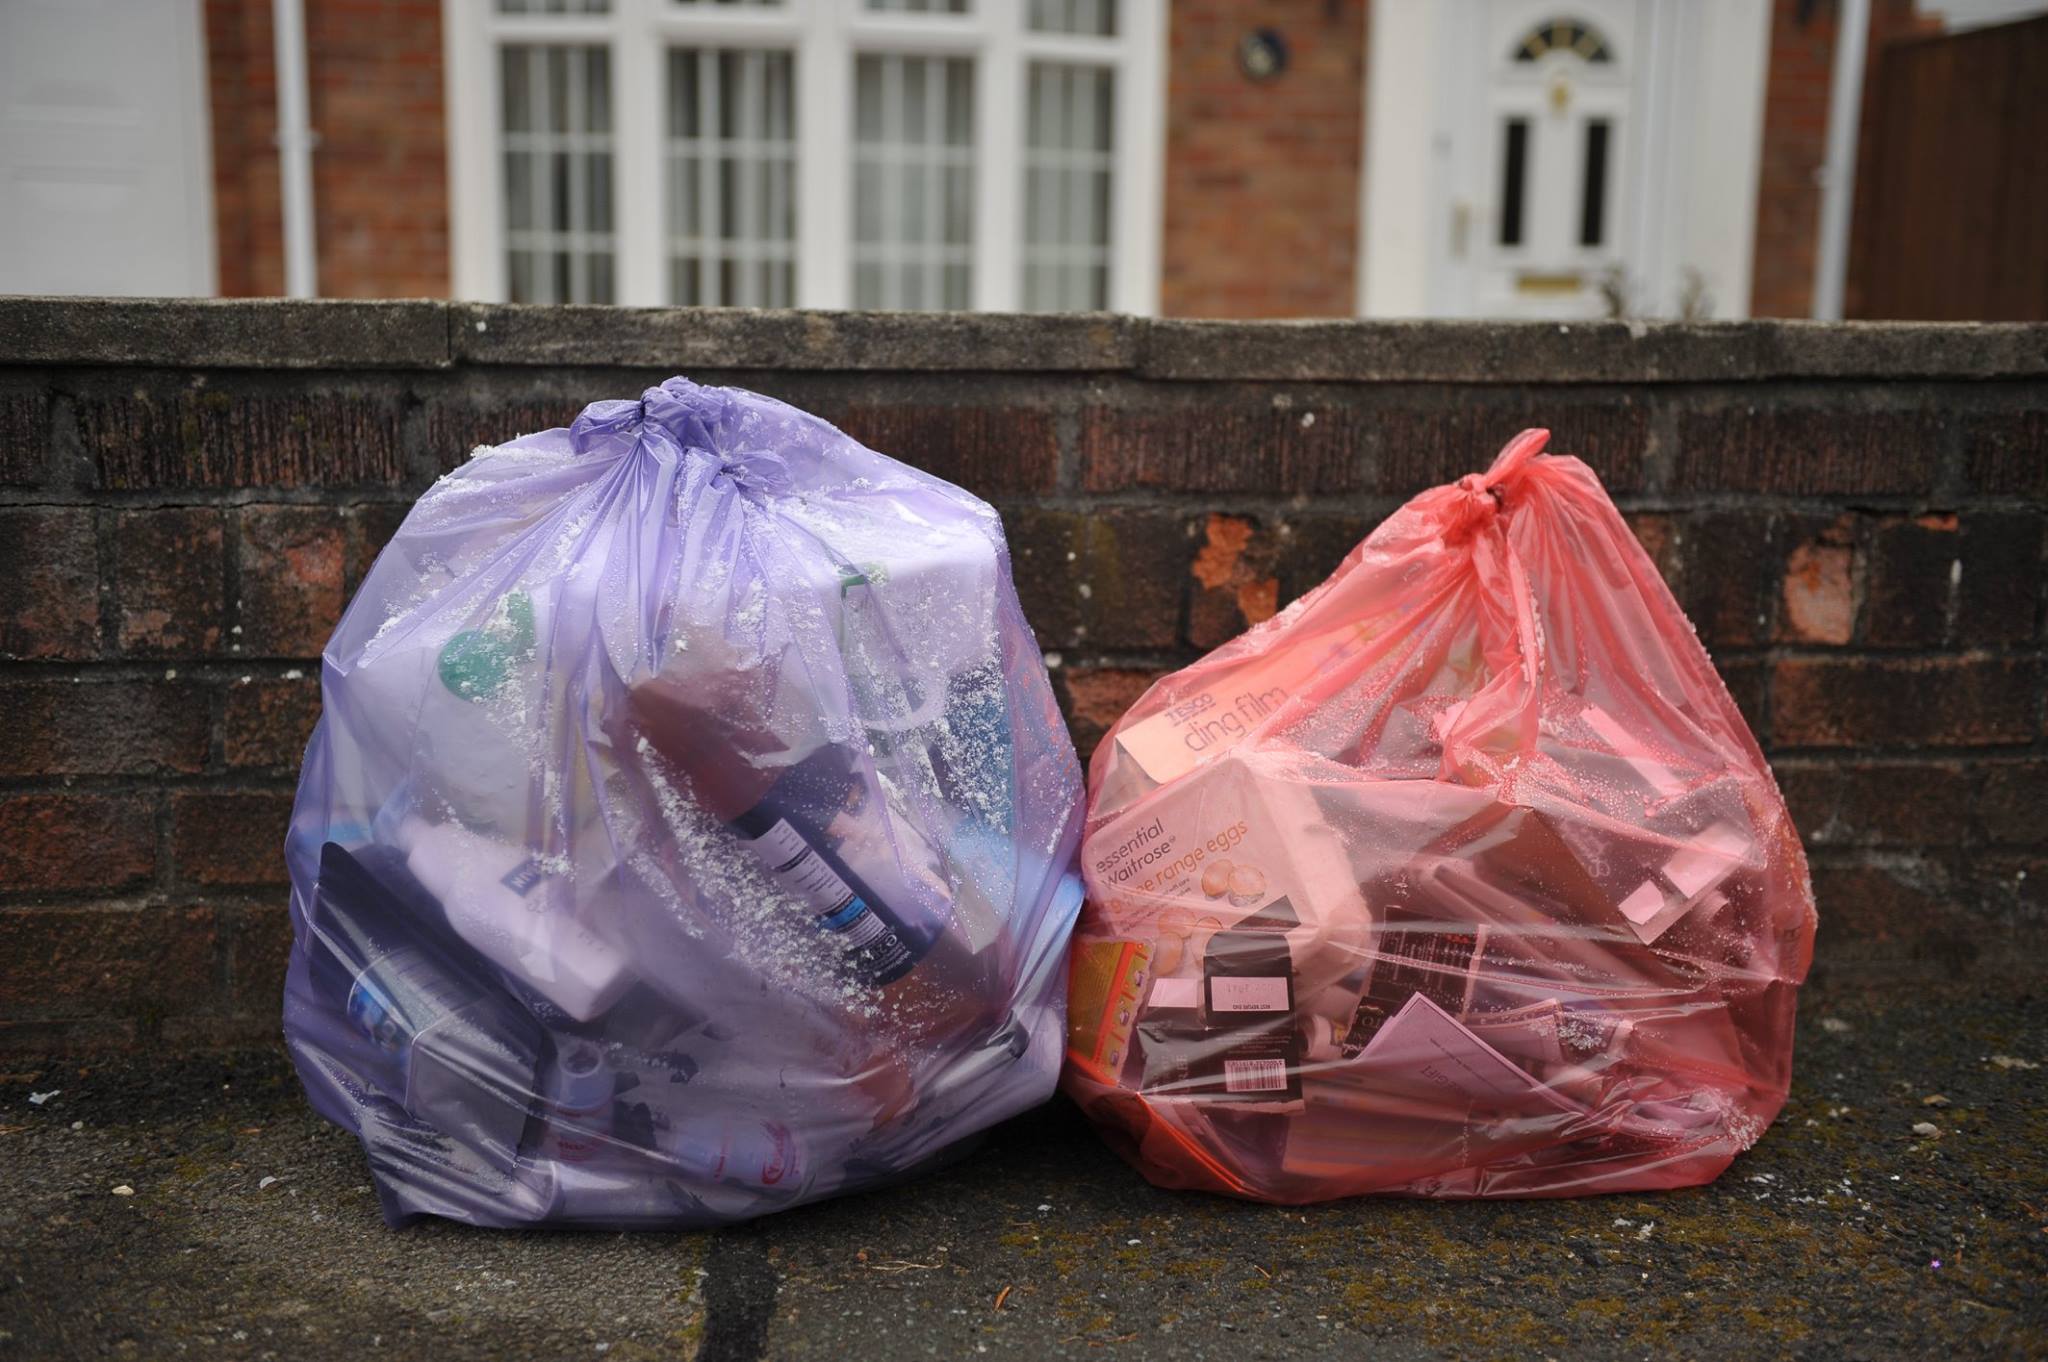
<point>688,830</point>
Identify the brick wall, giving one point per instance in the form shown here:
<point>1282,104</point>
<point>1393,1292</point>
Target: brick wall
<point>1853,516</point>
<point>380,182</point>
<point>1262,178</point>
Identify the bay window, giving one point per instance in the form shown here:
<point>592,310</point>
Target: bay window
<point>930,154</point>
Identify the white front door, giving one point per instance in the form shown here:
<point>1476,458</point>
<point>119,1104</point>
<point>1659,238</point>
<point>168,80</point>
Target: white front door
<point>106,175</point>
<point>1562,158</point>
<point>1541,227</point>
<point>1558,114</point>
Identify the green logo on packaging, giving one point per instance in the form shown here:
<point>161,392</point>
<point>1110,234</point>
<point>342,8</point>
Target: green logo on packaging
<point>475,663</point>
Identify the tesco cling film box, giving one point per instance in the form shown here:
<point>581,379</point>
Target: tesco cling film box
<point>1234,698</point>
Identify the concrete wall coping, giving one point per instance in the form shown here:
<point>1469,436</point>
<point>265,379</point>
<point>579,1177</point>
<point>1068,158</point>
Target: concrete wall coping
<point>334,334</point>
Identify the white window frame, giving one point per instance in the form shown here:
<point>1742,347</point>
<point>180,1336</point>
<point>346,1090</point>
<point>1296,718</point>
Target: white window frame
<point>825,35</point>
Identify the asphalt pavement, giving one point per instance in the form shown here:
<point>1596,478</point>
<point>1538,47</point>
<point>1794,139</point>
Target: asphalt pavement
<point>1898,1209</point>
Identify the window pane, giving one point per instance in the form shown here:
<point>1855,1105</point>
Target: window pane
<point>913,181</point>
<point>1069,158</point>
<point>1091,18</point>
<point>731,173</point>
<point>1593,202</point>
<point>1513,178</point>
<point>558,170</point>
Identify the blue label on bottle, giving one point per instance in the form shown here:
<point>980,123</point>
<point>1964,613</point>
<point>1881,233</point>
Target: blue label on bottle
<point>845,917</point>
<point>797,866</point>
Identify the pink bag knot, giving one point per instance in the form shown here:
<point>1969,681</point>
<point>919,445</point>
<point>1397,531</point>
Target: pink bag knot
<point>1513,457</point>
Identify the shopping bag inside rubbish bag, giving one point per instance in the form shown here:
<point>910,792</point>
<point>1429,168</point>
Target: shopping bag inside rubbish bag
<point>688,828</point>
<point>1460,876</point>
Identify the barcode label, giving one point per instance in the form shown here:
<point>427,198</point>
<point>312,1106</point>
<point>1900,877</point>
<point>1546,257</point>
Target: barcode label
<point>1249,993</point>
<point>1254,1075</point>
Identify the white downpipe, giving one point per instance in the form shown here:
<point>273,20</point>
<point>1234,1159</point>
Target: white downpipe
<point>1838,172</point>
<point>295,149</point>
<point>1657,83</point>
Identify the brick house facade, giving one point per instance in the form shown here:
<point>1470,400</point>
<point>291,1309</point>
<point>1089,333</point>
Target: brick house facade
<point>1261,181</point>
<point>1795,144</point>
<point>380,174</point>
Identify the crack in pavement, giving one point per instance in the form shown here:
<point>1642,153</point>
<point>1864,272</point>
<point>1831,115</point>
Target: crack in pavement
<point>739,1289</point>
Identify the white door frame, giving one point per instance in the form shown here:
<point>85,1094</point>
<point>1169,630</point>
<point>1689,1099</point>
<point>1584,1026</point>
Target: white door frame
<point>1697,128</point>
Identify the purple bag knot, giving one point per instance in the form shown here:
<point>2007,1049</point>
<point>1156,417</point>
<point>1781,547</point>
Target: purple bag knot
<point>693,420</point>
<point>687,412</point>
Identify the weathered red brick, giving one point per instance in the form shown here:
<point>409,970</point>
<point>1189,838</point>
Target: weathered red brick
<point>1904,702</point>
<point>2012,805</point>
<point>1224,443</point>
<point>95,842</point>
<point>1794,451</point>
<point>1818,595</point>
<point>1795,142</point>
<point>2006,452</point>
<point>169,585</point>
<point>1235,584</point>
<point>259,948</point>
<point>1900,913</point>
<point>1113,579</point>
<point>1747,680</point>
<point>51,608</point>
<point>1424,446</point>
<point>24,436</point>
<point>99,961</point>
<point>230,837</point>
<point>1662,540</point>
<point>1915,573</point>
<point>266,723</point>
<point>69,728</point>
<point>376,80</point>
<point>991,451</point>
<point>371,526</point>
<point>2002,572</point>
<point>1839,804</point>
<point>294,565</point>
<point>212,437</point>
<point>1730,575</point>
<point>457,425</point>
<point>2018,884</point>
<point>1312,546</point>
<point>1096,697</point>
<point>1945,578</point>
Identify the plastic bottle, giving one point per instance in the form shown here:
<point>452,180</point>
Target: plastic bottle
<point>474,721</point>
<point>440,1038</point>
<point>799,819</point>
<point>758,1155</point>
<point>578,1091</point>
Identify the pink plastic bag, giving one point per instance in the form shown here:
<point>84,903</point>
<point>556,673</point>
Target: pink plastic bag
<point>1462,876</point>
